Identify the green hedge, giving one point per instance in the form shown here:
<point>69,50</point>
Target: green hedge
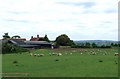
<point>80,46</point>
<point>9,48</point>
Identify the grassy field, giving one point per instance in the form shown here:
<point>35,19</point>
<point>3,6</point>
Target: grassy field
<point>75,65</point>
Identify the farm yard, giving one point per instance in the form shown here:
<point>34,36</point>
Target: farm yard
<point>65,62</point>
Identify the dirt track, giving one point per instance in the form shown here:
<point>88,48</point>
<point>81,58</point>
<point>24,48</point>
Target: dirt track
<point>70,49</point>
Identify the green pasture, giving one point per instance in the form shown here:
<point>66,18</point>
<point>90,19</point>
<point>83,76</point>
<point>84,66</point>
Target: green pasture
<point>75,65</point>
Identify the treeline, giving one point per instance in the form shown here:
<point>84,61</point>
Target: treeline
<point>80,46</point>
<point>93,45</point>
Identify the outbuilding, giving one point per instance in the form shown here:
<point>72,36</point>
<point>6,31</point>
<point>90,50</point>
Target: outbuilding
<point>32,44</point>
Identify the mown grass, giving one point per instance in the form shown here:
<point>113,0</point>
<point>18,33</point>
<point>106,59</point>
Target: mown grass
<point>75,65</point>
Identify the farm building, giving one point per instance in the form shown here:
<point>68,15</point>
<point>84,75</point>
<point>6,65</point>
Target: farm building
<point>35,42</point>
<point>31,44</point>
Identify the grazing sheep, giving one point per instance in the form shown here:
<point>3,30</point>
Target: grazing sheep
<point>59,54</point>
<point>90,51</point>
<point>50,54</point>
<point>70,53</point>
<point>53,53</point>
<point>93,53</point>
<point>81,53</point>
<point>35,54</point>
<point>41,54</point>
<point>31,54</point>
<point>105,53</point>
<point>116,54</point>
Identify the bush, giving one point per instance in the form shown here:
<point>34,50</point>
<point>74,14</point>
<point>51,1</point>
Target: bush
<point>89,46</point>
<point>80,46</point>
<point>56,59</point>
<point>103,46</point>
<point>100,60</point>
<point>15,62</point>
<point>108,46</point>
<point>9,48</point>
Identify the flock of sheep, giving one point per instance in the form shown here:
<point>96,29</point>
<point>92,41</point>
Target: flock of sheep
<point>60,54</point>
<point>50,54</point>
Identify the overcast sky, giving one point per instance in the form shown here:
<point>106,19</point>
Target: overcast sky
<point>79,19</point>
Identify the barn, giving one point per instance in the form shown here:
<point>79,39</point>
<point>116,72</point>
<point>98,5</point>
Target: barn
<point>32,44</point>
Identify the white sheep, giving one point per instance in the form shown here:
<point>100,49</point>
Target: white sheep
<point>116,54</point>
<point>59,54</point>
<point>41,54</point>
<point>70,53</point>
<point>35,54</point>
<point>53,53</point>
<point>105,53</point>
<point>31,54</point>
<point>93,53</point>
<point>50,54</point>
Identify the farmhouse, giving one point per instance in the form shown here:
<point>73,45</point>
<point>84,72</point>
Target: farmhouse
<point>37,38</point>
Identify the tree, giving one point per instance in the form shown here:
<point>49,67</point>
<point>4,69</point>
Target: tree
<point>16,36</point>
<point>87,44</point>
<point>72,43</point>
<point>94,45</point>
<point>116,44</point>
<point>46,38</point>
<point>112,44</point>
<point>103,46</point>
<point>64,40</point>
<point>6,36</point>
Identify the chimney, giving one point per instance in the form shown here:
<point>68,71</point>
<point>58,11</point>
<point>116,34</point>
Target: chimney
<point>31,37</point>
<point>37,36</point>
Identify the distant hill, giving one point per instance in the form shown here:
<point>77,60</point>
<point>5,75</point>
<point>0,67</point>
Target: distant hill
<point>98,42</point>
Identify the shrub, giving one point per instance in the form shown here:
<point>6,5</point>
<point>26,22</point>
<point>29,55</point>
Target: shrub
<point>100,60</point>
<point>14,62</point>
<point>9,48</point>
<point>103,46</point>
<point>56,59</point>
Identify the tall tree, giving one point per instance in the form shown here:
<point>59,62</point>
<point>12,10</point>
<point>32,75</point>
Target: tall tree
<point>46,38</point>
<point>87,44</point>
<point>112,44</point>
<point>6,36</point>
<point>94,45</point>
<point>63,40</point>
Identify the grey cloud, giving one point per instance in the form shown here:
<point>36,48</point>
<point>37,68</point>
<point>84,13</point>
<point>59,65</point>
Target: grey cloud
<point>80,26</point>
<point>18,13</point>
<point>84,12</point>
<point>107,22</point>
<point>84,4</point>
<point>22,21</point>
<point>11,20</point>
<point>111,11</point>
